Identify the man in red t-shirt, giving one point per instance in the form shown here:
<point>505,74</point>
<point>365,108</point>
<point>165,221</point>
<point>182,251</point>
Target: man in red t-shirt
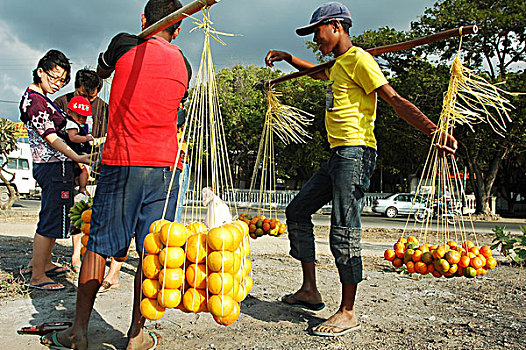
<point>151,77</point>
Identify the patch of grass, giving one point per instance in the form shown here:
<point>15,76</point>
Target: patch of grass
<point>11,287</point>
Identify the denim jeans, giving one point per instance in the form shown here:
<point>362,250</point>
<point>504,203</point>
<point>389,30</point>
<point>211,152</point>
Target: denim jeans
<point>344,179</point>
<point>127,200</point>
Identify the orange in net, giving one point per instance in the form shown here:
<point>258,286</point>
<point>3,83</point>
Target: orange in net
<point>220,305</point>
<point>194,300</point>
<point>157,224</point>
<point>152,243</point>
<point>196,248</point>
<point>171,278</point>
<point>220,238</point>
<point>231,318</point>
<point>174,234</point>
<point>171,257</point>
<point>151,309</point>
<point>237,234</point>
<point>197,227</point>
<point>151,266</point>
<point>220,283</point>
<point>150,288</point>
<point>220,261</point>
<point>196,275</point>
<point>169,298</point>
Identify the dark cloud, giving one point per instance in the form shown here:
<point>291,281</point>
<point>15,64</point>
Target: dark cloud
<point>82,29</point>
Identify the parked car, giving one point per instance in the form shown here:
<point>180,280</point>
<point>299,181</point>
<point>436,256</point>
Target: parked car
<point>399,204</point>
<point>20,163</point>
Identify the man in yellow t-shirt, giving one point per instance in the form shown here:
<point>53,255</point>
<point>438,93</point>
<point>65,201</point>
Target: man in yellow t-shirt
<point>355,80</point>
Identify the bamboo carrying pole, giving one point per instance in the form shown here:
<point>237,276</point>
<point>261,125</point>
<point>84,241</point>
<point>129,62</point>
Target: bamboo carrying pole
<point>383,49</point>
<point>176,16</point>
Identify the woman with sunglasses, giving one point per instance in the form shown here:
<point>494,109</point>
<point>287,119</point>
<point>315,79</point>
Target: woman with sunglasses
<point>53,165</point>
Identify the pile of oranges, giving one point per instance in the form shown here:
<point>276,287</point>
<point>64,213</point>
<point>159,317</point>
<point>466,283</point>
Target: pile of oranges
<point>196,270</point>
<point>448,260</point>
<point>259,225</point>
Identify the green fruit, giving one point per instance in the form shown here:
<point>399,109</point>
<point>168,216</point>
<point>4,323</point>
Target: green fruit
<point>470,272</point>
<point>78,223</point>
<point>259,232</point>
<point>259,224</point>
<point>411,246</point>
<point>408,255</point>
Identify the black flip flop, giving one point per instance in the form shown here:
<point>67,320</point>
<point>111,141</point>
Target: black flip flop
<point>302,304</point>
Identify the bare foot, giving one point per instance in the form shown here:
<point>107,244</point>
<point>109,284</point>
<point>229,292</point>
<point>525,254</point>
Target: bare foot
<point>65,339</point>
<point>144,340</point>
<point>311,297</point>
<point>341,321</point>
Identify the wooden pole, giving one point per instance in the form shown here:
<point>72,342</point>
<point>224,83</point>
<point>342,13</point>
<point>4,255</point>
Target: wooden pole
<point>176,16</point>
<point>473,29</point>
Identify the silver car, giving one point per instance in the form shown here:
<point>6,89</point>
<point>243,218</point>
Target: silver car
<point>398,204</point>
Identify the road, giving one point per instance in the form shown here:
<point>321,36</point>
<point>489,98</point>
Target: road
<point>369,220</point>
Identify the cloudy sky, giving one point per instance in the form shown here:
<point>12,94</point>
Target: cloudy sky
<point>82,29</point>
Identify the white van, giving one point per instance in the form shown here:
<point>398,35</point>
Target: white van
<point>21,164</point>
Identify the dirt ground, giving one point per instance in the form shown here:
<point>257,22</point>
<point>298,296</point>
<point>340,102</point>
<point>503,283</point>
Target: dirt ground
<point>396,311</point>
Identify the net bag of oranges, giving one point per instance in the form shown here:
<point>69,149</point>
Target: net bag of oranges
<point>194,269</point>
<point>449,260</point>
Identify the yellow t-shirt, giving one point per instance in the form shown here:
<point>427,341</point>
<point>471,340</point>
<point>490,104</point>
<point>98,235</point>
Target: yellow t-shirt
<point>350,109</point>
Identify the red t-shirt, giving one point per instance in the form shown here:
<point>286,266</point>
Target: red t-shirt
<point>151,77</point>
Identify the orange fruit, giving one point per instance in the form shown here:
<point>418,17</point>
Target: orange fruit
<point>442,265</point>
<point>467,245</point>
<point>412,239</point>
<point>436,274</point>
<point>486,251</point>
<point>491,263</point>
<point>150,288</point>
<point>171,278</point>
<point>151,266</point>
<point>171,257</point>
<point>169,298</point>
<point>399,246</point>
<point>424,248</point>
<point>196,275</point>
<point>453,257</point>
<point>247,267</point>
<point>157,224</point>
<point>476,262</point>
<point>430,268</point>
<point>440,252</point>
<point>427,257</point>
<point>481,271</point>
<point>193,299</point>
<point>421,267</point>
<point>86,216</point>
<point>452,244</point>
<point>237,235</point>
<point>220,305</point>
<point>220,261</point>
<point>470,272</point>
<point>239,291</point>
<point>220,283</point>
<point>400,253</point>
<point>174,234</point>
<point>389,254</point>
<point>220,238</point>
<point>84,240</point>
<point>197,227</point>
<point>249,283</point>
<point>402,240</point>
<point>410,267</point>
<point>151,309</point>
<point>417,256</point>
<point>474,250</point>
<point>397,262</point>
<point>152,243</point>
<point>83,251</point>
<point>464,261</point>
<point>85,228</point>
<point>452,269</point>
<point>243,226</point>
<point>196,248</point>
<point>408,255</point>
<point>231,318</point>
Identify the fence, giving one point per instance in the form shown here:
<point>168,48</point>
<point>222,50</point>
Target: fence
<point>279,199</point>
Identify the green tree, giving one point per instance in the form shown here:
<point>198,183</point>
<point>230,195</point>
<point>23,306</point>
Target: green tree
<point>497,52</point>
<point>7,145</point>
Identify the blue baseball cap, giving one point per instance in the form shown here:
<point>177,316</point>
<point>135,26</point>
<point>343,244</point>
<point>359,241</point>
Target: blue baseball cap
<point>329,11</point>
